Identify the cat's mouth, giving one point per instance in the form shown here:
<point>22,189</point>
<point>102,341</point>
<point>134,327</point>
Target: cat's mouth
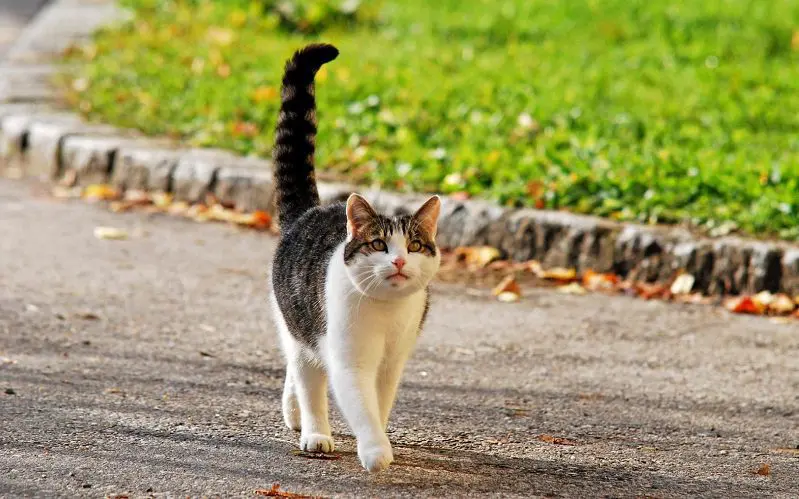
<point>397,277</point>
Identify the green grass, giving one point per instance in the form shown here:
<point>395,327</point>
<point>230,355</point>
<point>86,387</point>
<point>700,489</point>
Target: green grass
<point>648,110</point>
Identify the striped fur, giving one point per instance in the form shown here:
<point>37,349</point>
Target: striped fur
<point>295,135</point>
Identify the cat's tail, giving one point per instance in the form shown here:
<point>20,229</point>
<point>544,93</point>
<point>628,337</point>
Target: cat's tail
<point>295,136</point>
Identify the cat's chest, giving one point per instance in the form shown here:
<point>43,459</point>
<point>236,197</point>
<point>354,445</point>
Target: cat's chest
<point>393,317</point>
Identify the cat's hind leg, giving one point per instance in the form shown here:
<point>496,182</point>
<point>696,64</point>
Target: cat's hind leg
<point>309,385</point>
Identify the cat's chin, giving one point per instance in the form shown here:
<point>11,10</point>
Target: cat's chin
<point>392,288</point>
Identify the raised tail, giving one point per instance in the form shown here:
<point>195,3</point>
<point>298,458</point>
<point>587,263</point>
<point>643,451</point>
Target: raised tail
<point>295,136</point>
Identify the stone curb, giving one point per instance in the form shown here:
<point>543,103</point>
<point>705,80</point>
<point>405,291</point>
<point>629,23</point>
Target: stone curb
<point>38,140</point>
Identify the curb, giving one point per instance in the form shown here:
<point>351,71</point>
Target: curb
<point>36,138</point>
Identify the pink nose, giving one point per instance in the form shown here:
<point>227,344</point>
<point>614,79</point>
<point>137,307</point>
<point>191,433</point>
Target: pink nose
<point>399,263</point>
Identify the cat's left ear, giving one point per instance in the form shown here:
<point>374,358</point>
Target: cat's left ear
<point>427,215</point>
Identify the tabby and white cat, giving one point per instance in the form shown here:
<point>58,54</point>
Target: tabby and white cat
<point>349,285</point>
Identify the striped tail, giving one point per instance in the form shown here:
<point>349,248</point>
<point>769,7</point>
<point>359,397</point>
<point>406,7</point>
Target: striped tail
<point>295,136</point>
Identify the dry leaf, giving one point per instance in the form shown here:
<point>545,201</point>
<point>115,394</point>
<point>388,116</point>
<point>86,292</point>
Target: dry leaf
<point>257,220</point>
<point>162,199</point>
<point>649,291</point>
<point>683,284</point>
<point>275,491</point>
<point>110,233</point>
<point>556,440</point>
<point>595,281</point>
<point>507,285</point>
<point>479,256</point>
<point>745,305</point>
<point>87,316</point>
<point>572,289</point>
<point>100,192</point>
<point>781,304</point>
<point>763,470</point>
<point>508,297</point>
<point>764,298</point>
<point>559,274</point>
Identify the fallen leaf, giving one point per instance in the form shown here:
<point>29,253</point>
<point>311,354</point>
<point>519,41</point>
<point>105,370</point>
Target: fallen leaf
<point>595,281</point>
<point>198,213</point>
<point>573,288</point>
<point>479,256</point>
<point>507,285</point>
<point>460,196</point>
<point>781,304</point>
<point>559,274</point>
<point>683,284</point>
<point>114,391</point>
<point>100,192</point>
<point>556,440</point>
<point>206,354</point>
<point>508,297</point>
<point>275,491</point>
<point>744,305</point>
<point>257,220</point>
<point>763,470</point>
<point>110,233</point>
<point>162,199</point>
<point>88,316</point>
<point>764,298</point>
<point>649,291</point>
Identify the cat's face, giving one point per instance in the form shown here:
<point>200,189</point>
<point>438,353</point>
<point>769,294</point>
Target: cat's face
<point>391,257</point>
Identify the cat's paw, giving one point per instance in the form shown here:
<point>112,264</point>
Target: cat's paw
<point>375,456</point>
<point>316,442</point>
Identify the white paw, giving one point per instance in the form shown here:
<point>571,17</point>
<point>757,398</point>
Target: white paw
<point>375,456</point>
<point>291,413</point>
<point>316,442</point>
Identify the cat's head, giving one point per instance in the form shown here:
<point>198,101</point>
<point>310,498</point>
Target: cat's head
<point>391,257</point>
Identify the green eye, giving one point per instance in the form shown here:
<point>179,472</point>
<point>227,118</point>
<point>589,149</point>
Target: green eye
<point>378,245</point>
<point>415,247</point>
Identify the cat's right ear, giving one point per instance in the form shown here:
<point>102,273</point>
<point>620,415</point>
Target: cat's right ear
<point>359,213</point>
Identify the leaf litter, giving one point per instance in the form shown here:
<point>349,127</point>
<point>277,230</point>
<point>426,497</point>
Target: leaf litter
<point>274,491</point>
<point>159,202</point>
<point>483,266</point>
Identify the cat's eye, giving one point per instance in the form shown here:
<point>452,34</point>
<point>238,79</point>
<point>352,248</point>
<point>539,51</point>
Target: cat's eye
<point>378,245</point>
<point>415,247</point>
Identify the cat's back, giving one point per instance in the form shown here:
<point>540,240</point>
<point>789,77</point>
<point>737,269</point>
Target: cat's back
<point>300,266</point>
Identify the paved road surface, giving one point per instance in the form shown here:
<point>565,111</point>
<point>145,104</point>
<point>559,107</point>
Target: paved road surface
<point>176,388</point>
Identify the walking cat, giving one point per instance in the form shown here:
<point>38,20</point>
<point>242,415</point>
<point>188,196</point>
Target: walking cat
<point>349,285</point>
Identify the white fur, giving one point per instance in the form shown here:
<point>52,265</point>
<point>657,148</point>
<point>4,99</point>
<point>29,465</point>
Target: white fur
<point>372,326</point>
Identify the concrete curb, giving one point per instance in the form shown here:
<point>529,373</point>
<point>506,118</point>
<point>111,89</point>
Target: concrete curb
<point>37,139</point>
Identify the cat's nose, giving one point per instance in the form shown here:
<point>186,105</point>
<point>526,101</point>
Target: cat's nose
<point>399,262</point>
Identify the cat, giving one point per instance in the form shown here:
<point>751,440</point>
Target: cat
<point>349,285</point>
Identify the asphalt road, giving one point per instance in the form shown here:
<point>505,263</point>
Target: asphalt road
<point>150,367</point>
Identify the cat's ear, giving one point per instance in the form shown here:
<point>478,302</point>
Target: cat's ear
<point>359,213</point>
<point>427,215</point>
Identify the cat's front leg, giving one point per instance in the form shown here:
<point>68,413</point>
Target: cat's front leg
<point>355,388</point>
<point>387,383</point>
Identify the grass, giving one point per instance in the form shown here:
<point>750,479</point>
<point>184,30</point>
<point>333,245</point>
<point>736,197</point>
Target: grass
<point>649,110</point>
